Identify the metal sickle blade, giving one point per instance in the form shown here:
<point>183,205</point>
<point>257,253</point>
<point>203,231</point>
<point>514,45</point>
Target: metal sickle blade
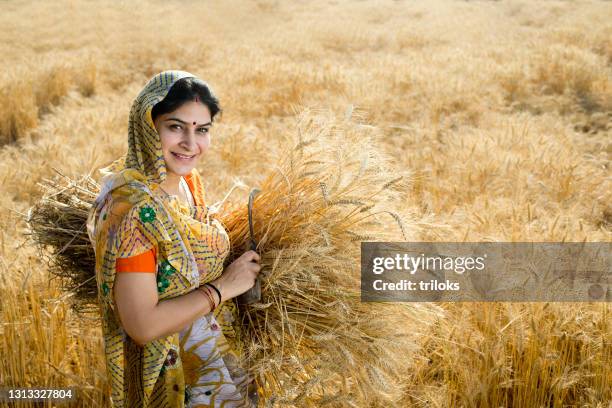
<point>252,194</point>
<point>252,295</point>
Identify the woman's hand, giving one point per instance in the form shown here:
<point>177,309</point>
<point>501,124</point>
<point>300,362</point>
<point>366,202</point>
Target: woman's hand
<point>239,276</point>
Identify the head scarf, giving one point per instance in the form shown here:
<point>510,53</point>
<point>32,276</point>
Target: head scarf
<point>128,219</point>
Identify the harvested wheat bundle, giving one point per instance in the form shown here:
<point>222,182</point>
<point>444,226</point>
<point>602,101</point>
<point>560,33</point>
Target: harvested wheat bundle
<point>311,341</point>
<point>57,225</point>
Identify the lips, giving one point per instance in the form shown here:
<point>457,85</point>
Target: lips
<point>182,156</point>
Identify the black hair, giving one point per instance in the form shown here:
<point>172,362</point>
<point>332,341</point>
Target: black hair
<point>186,90</point>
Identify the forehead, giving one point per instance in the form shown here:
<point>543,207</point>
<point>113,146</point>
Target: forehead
<point>190,111</point>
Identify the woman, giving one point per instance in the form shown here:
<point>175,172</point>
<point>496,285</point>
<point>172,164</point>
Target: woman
<point>163,292</point>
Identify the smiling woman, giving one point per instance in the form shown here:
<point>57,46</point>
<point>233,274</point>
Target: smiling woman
<point>163,293</point>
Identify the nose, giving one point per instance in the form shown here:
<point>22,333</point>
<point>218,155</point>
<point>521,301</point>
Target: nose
<point>189,139</point>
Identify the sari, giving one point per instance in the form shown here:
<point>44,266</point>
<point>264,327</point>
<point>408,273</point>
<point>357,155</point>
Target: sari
<point>197,366</point>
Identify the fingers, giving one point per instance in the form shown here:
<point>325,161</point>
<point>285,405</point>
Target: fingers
<point>254,268</point>
<point>255,271</point>
<point>251,256</point>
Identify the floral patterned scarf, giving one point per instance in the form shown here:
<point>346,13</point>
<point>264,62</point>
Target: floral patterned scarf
<point>128,218</point>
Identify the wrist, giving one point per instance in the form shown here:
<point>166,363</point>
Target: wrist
<point>217,283</point>
<point>210,297</point>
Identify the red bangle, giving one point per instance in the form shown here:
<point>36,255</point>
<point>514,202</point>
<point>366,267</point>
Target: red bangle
<point>210,296</point>
<point>210,285</point>
<point>210,305</point>
<point>211,302</point>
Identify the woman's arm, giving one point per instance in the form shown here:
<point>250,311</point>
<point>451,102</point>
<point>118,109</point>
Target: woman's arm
<point>144,318</point>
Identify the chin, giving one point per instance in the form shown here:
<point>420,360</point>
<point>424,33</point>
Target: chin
<point>183,172</point>
<point>180,169</point>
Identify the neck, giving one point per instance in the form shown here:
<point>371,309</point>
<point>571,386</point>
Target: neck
<point>171,183</point>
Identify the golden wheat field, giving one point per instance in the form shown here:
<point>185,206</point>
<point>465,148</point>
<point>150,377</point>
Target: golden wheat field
<point>500,112</point>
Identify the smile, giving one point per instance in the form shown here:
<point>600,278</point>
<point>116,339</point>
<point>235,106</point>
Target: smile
<point>182,156</point>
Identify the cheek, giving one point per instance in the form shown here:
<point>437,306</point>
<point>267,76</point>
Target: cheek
<point>168,139</point>
<point>204,144</point>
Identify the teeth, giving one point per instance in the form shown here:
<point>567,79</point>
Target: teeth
<point>183,156</point>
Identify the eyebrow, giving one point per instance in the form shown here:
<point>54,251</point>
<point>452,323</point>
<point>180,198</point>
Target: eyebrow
<point>183,122</point>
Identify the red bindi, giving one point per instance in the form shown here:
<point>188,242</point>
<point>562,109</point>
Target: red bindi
<point>193,123</point>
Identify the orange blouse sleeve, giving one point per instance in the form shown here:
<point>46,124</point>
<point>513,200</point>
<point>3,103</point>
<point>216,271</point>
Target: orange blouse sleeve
<point>144,262</point>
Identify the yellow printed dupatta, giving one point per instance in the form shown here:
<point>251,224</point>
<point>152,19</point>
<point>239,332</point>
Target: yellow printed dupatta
<point>129,218</point>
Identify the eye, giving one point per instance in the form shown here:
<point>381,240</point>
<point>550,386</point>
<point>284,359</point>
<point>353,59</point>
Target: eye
<point>203,130</point>
<point>175,127</point>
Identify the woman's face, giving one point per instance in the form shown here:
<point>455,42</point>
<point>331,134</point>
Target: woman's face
<point>185,136</point>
